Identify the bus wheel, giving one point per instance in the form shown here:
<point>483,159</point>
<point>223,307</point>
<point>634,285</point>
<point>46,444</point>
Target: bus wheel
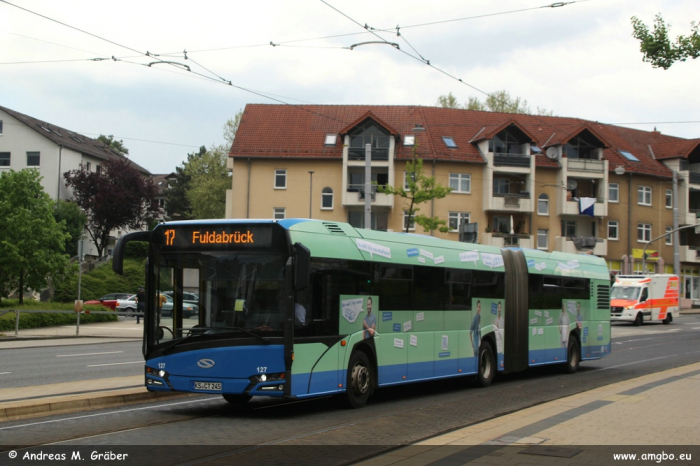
<point>487,365</point>
<point>668,319</point>
<point>638,320</point>
<point>237,399</point>
<point>573,356</point>
<point>359,383</point>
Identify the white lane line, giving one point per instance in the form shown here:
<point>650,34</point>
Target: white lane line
<point>86,354</point>
<point>165,405</point>
<point>3,373</point>
<point>117,363</point>
<point>695,328</point>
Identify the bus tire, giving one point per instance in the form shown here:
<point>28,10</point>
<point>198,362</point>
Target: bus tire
<point>573,355</point>
<point>237,399</point>
<point>359,381</point>
<point>668,319</point>
<point>639,320</point>
<point>486,365</point>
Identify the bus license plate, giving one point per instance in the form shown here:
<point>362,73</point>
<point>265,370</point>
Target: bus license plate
<point>216,386</point>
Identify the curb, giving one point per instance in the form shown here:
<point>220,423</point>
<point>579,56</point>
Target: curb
<point>76,403</point>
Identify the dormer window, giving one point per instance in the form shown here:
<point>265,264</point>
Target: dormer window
<point>369,132</point>
<point>507,142</point>
<point>409,140</point>
<point>579,148</point>
<point>449,142</point>
<point>330,139</point>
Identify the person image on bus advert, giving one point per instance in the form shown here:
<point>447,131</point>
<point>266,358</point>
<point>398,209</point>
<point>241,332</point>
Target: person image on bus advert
<point>140,304</point>
<point>579,317</point>
<point>475,328</point>
<point>369,324</point>
<point>498,329</point>
<point>564,325</point>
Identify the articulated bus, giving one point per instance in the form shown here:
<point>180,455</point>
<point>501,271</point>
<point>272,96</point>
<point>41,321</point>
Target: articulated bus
<point>299,308</point>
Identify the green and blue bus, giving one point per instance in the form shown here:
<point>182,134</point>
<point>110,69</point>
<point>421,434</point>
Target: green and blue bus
<point>299,308</point>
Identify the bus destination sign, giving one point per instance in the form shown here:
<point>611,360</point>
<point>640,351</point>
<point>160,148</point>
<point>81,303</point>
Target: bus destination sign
<point>216,236</point>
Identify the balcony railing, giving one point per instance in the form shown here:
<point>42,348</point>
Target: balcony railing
<point>511,160</point>
<point>360,190</point>
<point>586,165</point>
<point>358,153</point>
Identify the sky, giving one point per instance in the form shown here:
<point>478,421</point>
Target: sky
<point>576,60</point>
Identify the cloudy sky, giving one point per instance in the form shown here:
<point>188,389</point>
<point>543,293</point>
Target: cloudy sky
<point>577,60</point>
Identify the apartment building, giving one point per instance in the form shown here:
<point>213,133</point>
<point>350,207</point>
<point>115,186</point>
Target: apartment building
<point>551,183</point>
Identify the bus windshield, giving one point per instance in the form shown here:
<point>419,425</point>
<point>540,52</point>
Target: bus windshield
<point>239,294</point>
<point>625,292</point>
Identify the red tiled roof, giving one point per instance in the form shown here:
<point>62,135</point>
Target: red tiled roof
<point>675,149</point>
<point>299,132</point>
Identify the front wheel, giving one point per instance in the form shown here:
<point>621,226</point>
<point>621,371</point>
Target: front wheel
<point>359,381</point>
<point>129,312</point>
<point>487,365</point>
<point>638,320</point>
<point>573,356</point>
<point>668,319</point>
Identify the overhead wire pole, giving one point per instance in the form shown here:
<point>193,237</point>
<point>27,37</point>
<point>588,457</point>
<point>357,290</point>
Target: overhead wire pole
<point>368,186</point>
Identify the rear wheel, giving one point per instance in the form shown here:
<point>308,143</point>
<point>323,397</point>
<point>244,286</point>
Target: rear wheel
<point>359,381</point>
<point>638,320</point>
<point>487,365</point>
<point>573,355</point>
<point>129,311</point>
<point>668,319</point>
<point>237,399</point>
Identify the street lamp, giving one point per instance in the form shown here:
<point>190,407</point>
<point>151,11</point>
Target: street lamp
<point>311,189</point>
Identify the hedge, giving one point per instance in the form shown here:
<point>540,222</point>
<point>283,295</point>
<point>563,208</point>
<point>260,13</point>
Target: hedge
<point>35,320</point>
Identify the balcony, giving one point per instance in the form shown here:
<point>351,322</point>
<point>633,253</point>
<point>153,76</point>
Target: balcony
<point>511,160</point>
<point>694,178</point>
<point>355,196</point>
<point>586,165</point>
<point>568,244</point>
<point>505,240</point>
<point>690,217</point>
<point>689,254</point>
<point>356,154</point>
<point>510,202</point>
<point>600,209</point>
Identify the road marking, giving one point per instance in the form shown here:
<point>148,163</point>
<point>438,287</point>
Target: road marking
<point>695,328</point>
<point>86,354</point>
<point>117,363</point>
<point>3,373</point>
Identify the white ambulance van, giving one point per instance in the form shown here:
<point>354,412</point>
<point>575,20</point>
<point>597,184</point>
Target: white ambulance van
<point>644,298</point>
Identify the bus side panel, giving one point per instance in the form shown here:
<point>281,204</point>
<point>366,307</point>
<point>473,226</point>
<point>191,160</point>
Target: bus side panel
<point>306,356</point>
<point>327,375</point>
<point>392,344</point>
<point>421,343</point>
<point>446,351</point>
<point>538,341</point>
<point>460,320</point>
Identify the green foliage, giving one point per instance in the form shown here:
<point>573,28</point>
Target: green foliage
<point>102,281</point>
<point>499,101</point>
<point>31,241</point>
<point>209,180</point>
<point>421,189</point>
<point>657,48</point>
<point>75,223</point>
<point>112,143</point>
<point>136,250</point>
<point>231,128</point>
<point>34,320</point>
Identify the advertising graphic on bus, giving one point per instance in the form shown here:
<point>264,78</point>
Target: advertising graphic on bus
<point>299,308</point>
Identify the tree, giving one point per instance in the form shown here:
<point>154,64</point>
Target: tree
<point>231,128</point>
<point>421,189</point>
<point>117,197</point>
<point>499,101</point>
<point>112,143</point>
<point>31,241</point>
<point>209,180</point>
<point>657,48</point>
<point>74,219</point>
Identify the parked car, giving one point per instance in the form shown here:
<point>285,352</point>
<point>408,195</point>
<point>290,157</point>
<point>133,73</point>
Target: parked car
<point>129,306</point>
<point>190,304</point>
<point>109,300</point>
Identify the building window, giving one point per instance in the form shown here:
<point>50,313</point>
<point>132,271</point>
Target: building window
<point>644,195</point>
<point>501,185</point>
<point>669,199</point>
<point>405,179</point>
<point>644,232</point>
<point>33,159</point>
<point>669,236</point>
<point>0,127</point>
<point>543,204</point>
<point>460,182</point>
<point>4,159</point>
<point>281,179</point>
<point>412,225</point>
<point>449,142</point>
<point>369,132</point>
<point>279,213</point>
<point>87,166</point>
<point>542,239</point>
<point>379,220</point>
<point>505,142</point>
<point>455,219</point>
<point>577,148</point>
<point>614,192</point>
<point>409,140</point>
<point>613,229</point>
<point>327,199</point>
<point>501,224</point>
<point>98,170</point>
<point>569,228</point>
<point>330,139</point>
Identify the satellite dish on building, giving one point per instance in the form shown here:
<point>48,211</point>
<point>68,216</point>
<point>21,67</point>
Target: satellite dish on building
<point>619,170</point>
<point>571,185</point>
<point>552,153</point>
